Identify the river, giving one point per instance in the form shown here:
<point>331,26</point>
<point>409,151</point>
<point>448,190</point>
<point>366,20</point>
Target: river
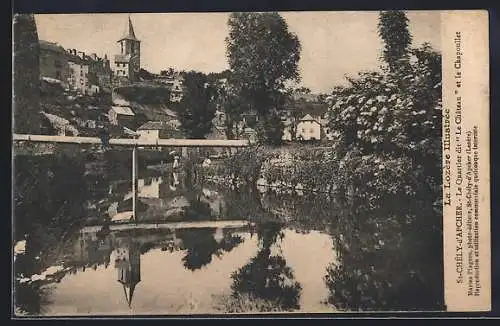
<point>261,252</point>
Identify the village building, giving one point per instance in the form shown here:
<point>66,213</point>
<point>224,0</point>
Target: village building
<point>100,72</point>
<point>121,115</point>
<point>53,62</point>
<point>78,78</point>
<point>308,128</point>
<point>128,62</point>
<point>153,130</point>
<point>153,188</point>
<point>73,69</point>
<point>250,118</point>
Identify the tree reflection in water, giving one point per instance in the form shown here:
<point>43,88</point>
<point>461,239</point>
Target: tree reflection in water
<point>31,299</point>
<point>389,258</point>
<point>201,246</point>
<point>267,276</point>
<point>197,210</point>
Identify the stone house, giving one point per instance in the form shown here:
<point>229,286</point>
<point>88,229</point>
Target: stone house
<point>53,62</point>
<point>78,78</point>
<point>121,115</point>
<point>308,128</point>
<point>153,130</point>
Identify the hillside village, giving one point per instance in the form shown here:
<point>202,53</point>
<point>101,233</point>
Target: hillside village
<point>83,94</point>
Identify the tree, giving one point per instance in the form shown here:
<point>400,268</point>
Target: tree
<point>232,106</point>
<point>389,151</point>
<point>393,29</point>
<point>263,55</point>
<point>197,108</point>
<point>26,83</point>
<point>144,74</point>
<point>169,72</point>
<point>303,90</point>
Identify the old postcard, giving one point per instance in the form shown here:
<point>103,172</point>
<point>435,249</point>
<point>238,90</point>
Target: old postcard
<point>250,162</point>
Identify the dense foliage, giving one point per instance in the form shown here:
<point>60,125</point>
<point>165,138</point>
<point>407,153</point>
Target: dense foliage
<point>197,107</point>
<point>374,116</point>
<point>388,128</point>
<point>145,94</point>
<point>26,82</point>
<point>393,29</point>
<point>263,55</point>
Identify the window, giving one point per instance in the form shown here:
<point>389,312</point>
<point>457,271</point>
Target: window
<point>57,63</point>
<point>58,75</point>
<point>311,130</point>
<point>303,130</point>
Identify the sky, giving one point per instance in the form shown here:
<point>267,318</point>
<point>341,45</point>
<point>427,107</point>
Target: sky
<point>334,44</point>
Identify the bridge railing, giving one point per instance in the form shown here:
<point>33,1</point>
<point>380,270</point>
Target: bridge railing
<point>133,142</point>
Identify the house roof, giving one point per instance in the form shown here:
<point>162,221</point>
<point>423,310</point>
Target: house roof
<point>308,117</point>
<point>76,59</point>
<point>125,110</point>
<point>154,125</point>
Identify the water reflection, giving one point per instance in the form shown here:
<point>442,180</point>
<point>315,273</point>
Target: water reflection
<point>306,253</point>
<point>388,259</point>
<point>127,259</point>
<point>267,276</point>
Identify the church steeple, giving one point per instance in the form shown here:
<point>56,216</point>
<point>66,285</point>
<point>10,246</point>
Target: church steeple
<point>128,62</point>
<point>129,33</point>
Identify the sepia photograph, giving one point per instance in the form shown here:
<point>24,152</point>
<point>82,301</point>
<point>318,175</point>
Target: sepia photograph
<point>227,163</point>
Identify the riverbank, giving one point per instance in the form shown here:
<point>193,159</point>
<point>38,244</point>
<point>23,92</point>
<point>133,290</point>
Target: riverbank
<point>282,169</point>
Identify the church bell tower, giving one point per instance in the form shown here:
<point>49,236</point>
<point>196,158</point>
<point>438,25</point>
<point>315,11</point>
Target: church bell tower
<point>128,62</point>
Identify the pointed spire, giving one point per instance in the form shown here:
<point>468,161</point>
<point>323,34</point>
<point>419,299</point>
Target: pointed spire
<point>129,293</point>
<point>129,33</point>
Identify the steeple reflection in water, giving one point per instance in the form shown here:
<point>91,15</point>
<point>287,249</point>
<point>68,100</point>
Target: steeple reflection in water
<point>128,265</point>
